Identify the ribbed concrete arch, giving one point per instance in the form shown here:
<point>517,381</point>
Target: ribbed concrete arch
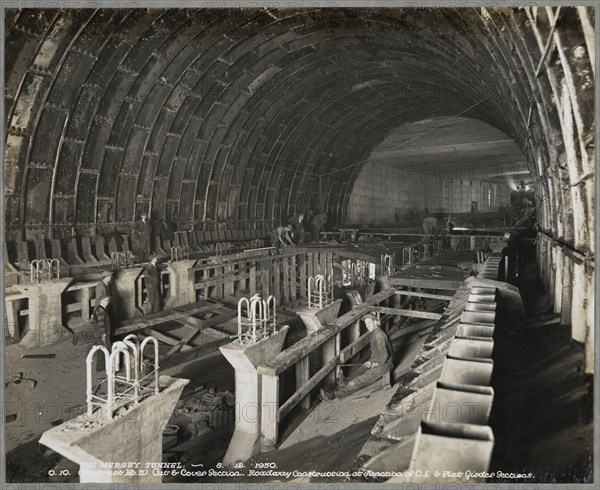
<point>231,115</point>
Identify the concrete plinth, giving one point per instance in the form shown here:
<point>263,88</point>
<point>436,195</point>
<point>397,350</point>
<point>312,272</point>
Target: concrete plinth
<point>248,393</point>
<point>45,312</point>
<point>135,436</point>
<point>181,283</point>
<point>317,318</point>
<point>124,302</point>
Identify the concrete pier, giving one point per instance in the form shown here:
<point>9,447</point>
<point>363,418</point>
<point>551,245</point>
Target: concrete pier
<point>134,436</point>
<point>181,283</point>
<point>317,318</point>
<point>45,312</point>
<point>124,302</point>
<point>248,393</point>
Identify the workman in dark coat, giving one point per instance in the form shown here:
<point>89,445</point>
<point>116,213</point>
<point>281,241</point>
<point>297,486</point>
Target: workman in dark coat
<point>431,229</point>
<point>298,231</point>
<point>102,320</point>
<point>152,278</point>
<point>380,364</point>
<point>317,224</point>
<point>103,288</point>
<point>140,236</point>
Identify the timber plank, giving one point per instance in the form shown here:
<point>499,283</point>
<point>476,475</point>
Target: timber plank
<point>424,295</point>
<point>410,313</point>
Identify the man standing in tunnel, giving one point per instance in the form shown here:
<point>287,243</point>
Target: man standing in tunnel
<point>298,231</point>
<point>103,288</point>
<point>317,224</point>
<point>140,236</point>
<point>152,278</point>
<point>430,227</point>
<point>102,321</point>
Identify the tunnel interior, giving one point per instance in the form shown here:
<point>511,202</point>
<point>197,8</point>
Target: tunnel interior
<point>213,118</point>
<point>233,120</point>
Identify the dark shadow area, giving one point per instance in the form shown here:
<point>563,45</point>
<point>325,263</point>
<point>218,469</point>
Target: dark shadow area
<point>542,416</point>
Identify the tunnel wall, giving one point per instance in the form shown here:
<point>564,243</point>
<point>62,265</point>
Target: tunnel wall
<point>209,117</point>
<point>384,194</point>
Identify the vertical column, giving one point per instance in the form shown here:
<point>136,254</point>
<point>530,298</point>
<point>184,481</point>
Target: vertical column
<point>181,283</point>
<point>45,311</point>
<point>125,303</point>
<point>252,279</point>
<point>293,279</point>
<point>310,262</point>
<point>228,288</point>
<point>303,278</point>
<point>85,302</point>
<point>276,276</point>
<point>286,278</point>
<point>302,377</point>
<point>330,349</point>
<point>12,315</point>
<point>254,414</point>
<point>269,426</point>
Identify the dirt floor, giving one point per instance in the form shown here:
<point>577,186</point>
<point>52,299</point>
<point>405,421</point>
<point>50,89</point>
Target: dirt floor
<point>58,395</point>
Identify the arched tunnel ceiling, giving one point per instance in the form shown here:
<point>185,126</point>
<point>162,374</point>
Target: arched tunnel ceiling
<point>211,115</point>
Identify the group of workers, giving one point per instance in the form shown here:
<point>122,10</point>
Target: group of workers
<point>294,232</point>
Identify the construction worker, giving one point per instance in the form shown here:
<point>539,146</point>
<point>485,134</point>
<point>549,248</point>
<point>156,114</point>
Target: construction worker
<point>298,228</point>
<point>103,287</point>
<point>379,365</point>
<point>152,278</point>
<point>430,227</point>
<point>281,236</point>
<point>317,224</point>
<point>101,318</point>
<point>140,236</point>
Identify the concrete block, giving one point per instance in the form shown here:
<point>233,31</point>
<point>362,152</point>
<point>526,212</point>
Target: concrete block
<point>314,318</point>
<point>134,436</point>
<point>452,448</point>
<point>480,306</point>
<point>478,317</point>
<point>472,348</point>
<point>45,312</point>
<point>181,283</point>
<point>469,330</point>
<point>461,404</point>
<point>467,371</point>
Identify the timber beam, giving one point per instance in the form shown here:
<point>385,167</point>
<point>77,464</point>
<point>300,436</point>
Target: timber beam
<point>411,313</point>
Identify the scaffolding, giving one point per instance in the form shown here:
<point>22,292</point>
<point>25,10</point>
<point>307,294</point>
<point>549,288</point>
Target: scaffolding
<point>259,321</point>
<point>122,389</point>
